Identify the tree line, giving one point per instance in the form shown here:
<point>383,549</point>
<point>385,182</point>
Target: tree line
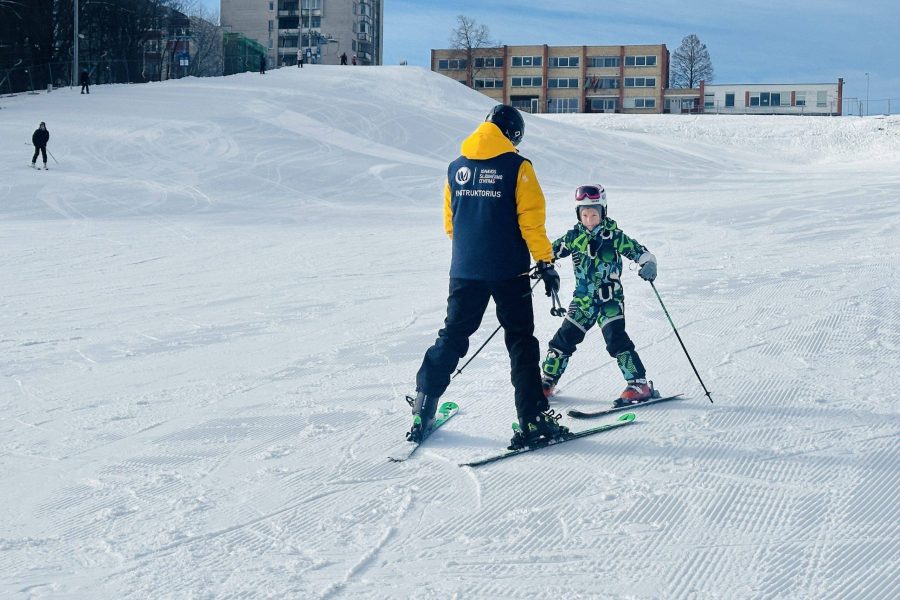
<point>116,38</point>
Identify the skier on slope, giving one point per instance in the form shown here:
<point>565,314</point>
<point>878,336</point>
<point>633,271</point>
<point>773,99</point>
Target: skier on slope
<point>597,245</point>
<point>39,138</point>
<point>494,213</point>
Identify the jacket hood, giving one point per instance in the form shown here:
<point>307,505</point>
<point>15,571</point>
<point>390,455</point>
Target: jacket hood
<point>486,142</point>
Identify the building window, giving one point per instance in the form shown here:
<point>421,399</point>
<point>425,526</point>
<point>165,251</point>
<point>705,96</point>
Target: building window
<point>451,64</point>
<point>527,61</point>
<point>640,61</point>
<point>729,100</point>
<point>488,83</point>
<point>562,105</point>
<point>640,82</point>
<point>821,99</point>
<point>271,5</point>
<point>312,4</point>
<point>488,63</point>
<point>604,104</point>
<point>527,81</point>
<point>801,98</point>
<point>603,61</point>
<point>562,82</point>
<point>271,25</point>
<point>640,102</point>
<point>314,21</point>
<point>601,83</point>
<point>709,101</point>
<point>564,61</point>
<point>288,22</point>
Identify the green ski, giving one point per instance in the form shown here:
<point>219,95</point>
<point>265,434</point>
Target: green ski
<point>444,413</point>
<point>623,420</point>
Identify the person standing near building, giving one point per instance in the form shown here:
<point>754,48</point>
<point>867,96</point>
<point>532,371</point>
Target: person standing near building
<point>39,138</point>
<point>300,58</point>
<point>354,60</point>
<point>84,80</point>
<point>262,65</point>
<point>494,212</point>
<point>344,58</point>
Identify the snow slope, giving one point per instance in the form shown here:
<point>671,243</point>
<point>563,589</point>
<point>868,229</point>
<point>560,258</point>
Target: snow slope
<point>212,307</point>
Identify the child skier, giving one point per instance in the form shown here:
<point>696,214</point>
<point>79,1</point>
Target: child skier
<point>39,138</point>
<point>597,245</point>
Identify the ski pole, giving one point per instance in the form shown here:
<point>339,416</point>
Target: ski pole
<point>680,342</point>
<point>481,347</point>
<point>53,157</point>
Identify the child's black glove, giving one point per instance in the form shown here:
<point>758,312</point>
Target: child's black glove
<point>549,275</point>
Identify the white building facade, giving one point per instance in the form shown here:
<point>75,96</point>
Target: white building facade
<point>319,30</point>
<point>824,99</point>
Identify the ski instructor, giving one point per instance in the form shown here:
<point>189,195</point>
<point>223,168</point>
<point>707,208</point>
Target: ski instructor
<point>494,213</point>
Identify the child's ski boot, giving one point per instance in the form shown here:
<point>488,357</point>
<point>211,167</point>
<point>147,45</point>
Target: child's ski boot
<point>637,391</point>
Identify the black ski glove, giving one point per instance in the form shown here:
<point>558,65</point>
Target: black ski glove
<point>549,275</point>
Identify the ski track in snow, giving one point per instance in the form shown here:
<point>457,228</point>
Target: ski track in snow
<point>209,320</point>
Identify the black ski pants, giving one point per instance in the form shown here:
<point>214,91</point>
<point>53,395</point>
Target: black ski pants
<point>42,150</point>
<point>465,308</point>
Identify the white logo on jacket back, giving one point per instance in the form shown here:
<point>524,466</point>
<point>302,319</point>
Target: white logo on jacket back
<point>463,175</point>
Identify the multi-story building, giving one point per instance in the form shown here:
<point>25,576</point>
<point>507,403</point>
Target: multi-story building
<point>561,79</point>
<point>320,30</point>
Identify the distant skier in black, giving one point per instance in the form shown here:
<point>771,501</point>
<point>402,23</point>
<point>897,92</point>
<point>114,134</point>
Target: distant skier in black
<point>39,138</point>
<point>84,80</point>
<point>262,65</point>
<point>344,58</point>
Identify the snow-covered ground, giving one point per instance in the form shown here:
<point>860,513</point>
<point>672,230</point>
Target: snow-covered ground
<point>211,308</point>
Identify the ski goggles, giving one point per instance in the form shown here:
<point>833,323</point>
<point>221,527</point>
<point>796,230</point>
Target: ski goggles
<point>592,192</point>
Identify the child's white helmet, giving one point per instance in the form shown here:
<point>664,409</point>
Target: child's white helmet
<point>592,195</point>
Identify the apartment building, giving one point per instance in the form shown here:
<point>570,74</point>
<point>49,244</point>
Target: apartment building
<point>320,30</point>
<point>564,79</point>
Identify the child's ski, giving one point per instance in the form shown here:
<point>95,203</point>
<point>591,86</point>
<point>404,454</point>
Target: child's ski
<point>625,419</point>
<point>444,413</point>
<point>578,414</point>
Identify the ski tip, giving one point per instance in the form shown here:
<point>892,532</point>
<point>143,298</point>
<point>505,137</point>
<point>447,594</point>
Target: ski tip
<point>627,417</point>
<point>448,406</point>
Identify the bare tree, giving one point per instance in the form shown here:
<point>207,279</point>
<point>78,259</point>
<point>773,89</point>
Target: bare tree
<point>690,63</point>
<point>207,58</point>
<point>466,39</point>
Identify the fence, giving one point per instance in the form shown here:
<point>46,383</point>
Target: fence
<point>875,106</point>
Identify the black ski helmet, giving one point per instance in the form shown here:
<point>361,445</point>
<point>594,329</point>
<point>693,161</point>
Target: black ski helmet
<point>509,120</point>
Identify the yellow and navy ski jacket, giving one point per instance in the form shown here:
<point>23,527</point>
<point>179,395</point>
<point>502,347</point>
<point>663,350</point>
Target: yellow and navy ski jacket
<point>494,209</point>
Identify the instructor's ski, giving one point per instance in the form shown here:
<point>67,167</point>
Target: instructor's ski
<point>444,413</point>
<point>578,414</point>
<point>625,419</point>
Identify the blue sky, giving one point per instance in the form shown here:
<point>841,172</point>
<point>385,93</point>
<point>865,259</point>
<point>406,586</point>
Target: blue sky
<point>765,41</point>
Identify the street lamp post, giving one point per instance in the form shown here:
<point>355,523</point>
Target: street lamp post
<point>75,46</point>
<point>867,94</point>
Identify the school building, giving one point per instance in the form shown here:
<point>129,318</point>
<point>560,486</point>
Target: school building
<point>620,79</point>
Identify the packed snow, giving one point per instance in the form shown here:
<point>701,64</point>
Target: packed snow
<point>216,298</point>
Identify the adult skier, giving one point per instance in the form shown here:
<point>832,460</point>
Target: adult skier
<point>597,245</point>
<point>494,212</point>
<point>84,80</point>
<point>39,138</point>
